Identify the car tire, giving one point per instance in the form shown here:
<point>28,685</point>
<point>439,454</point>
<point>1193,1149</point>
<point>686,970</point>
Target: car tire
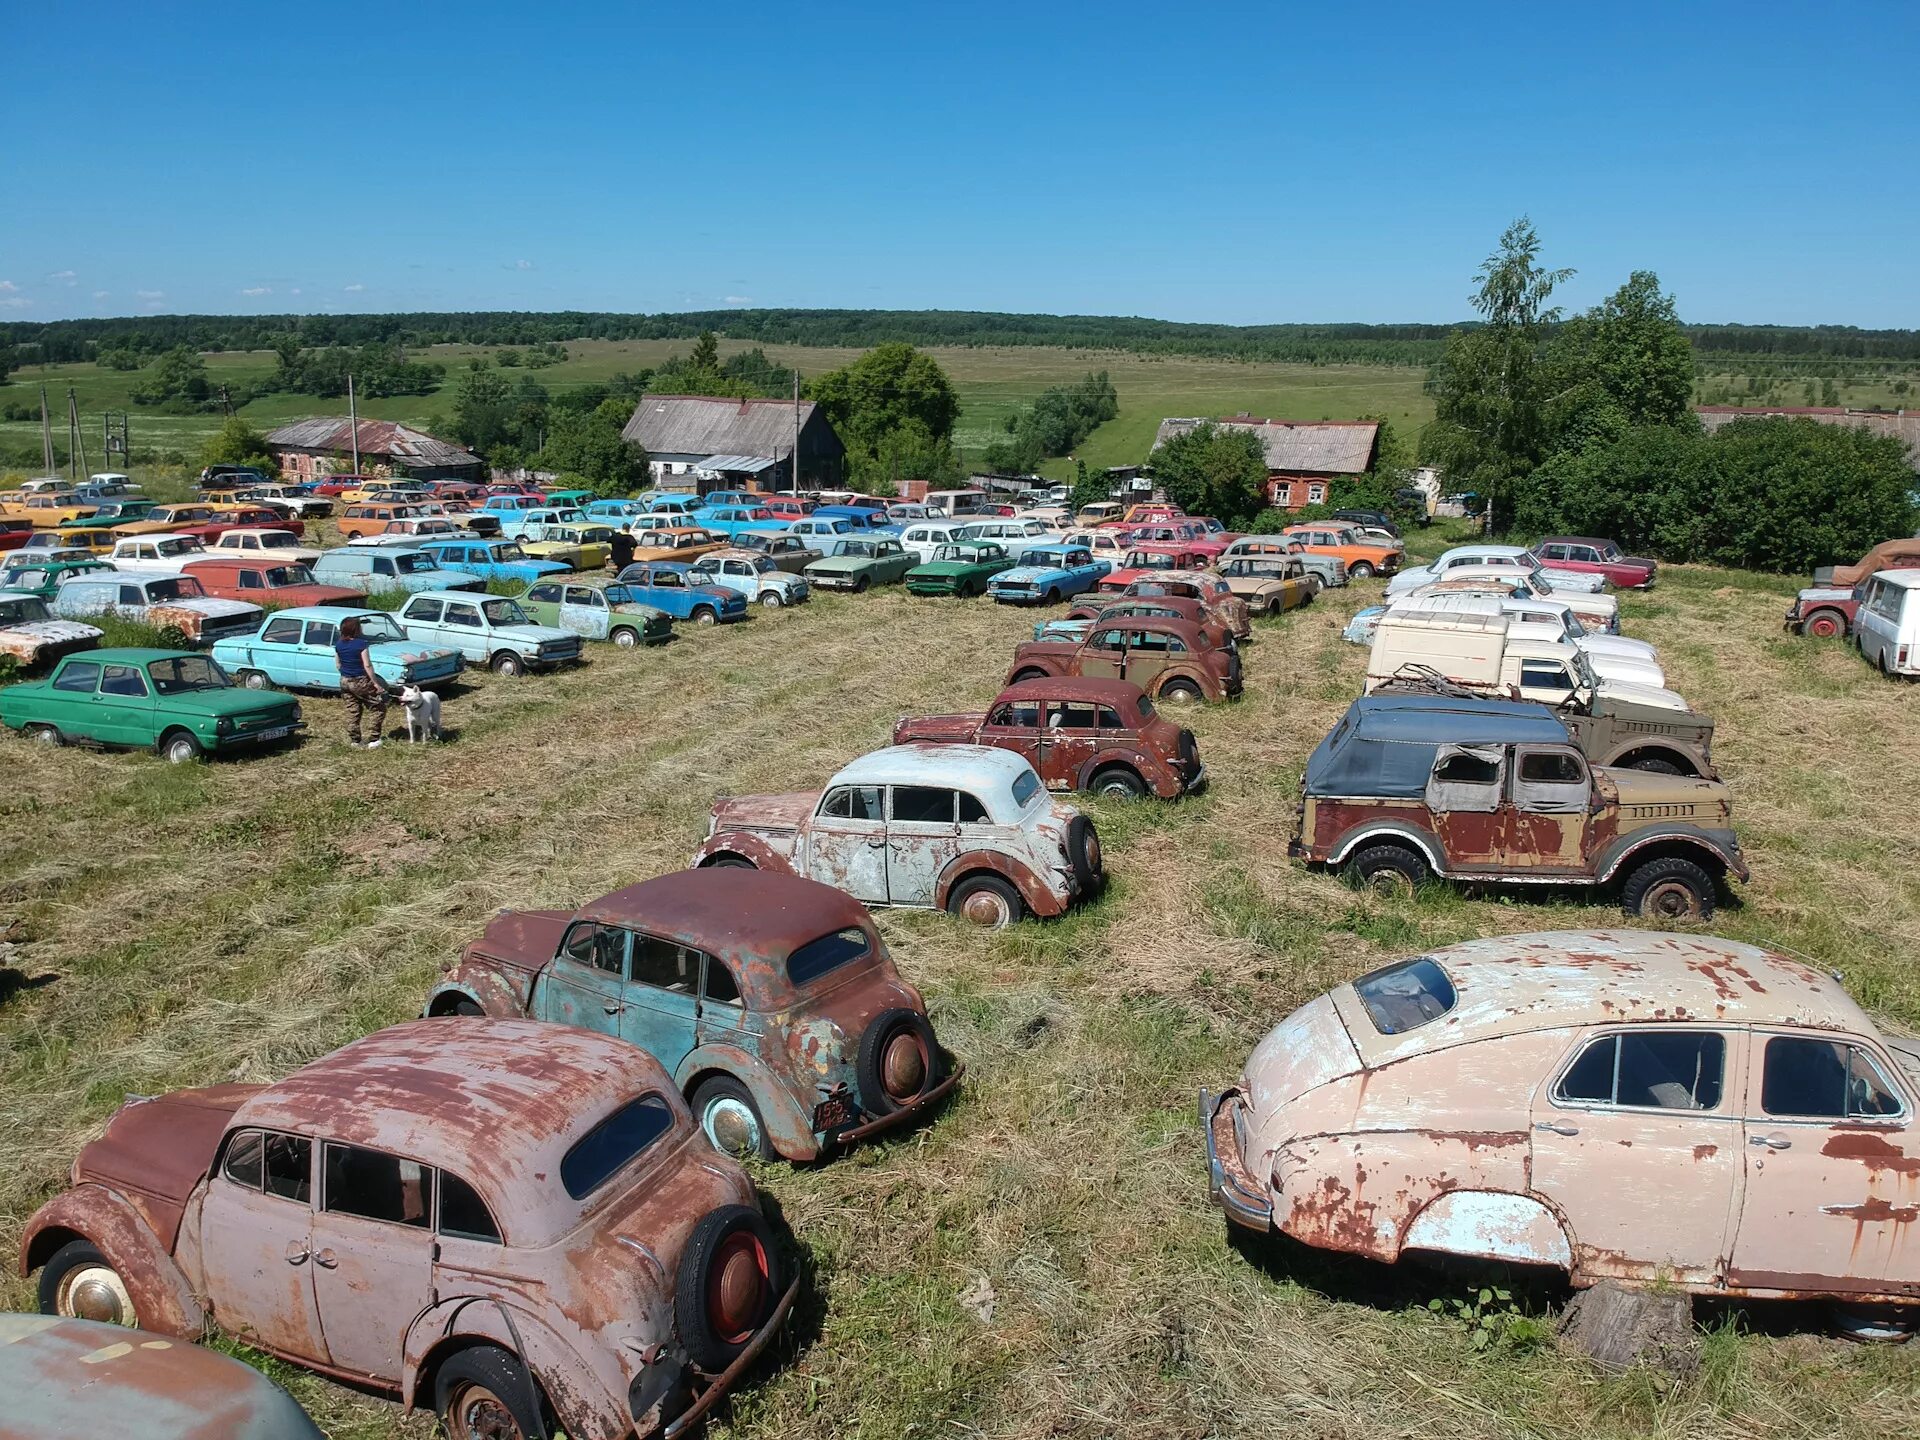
<point>1388,870</point>
<point>485,1393</point>
<point>1117,782</point>
<point>1027,674</point>
<point>47,735</point>
<point>508,663</point>
<point>1654,765</point>
<point>726,1286</point>
<point>253,679</point>
<point>1083,852</point>
<point>177,747</point>
<point>987,901</point>
<point>1669,888</point>
<point>704,615</point>
<point>626,637</point>
<point>1825,625</point>
<point>898,1061</point>
<point>1360,570</point>
<point>770,600</point>
<point>464,1008</point>
<point>1315,584</point>
<point>80,1283</point>
<point>727,1115</point>
<point>729,862</point>
<point>1181,692</point>
<point>860,586</point>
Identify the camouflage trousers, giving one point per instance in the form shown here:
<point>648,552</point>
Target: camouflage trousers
<point>363,692</point>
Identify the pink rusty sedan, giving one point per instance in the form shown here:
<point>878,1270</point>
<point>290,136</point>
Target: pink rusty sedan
<point>1614,1104</point>
<point>519,1224</point>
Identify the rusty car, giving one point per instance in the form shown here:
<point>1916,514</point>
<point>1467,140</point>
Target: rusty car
<point>1203,585</point>
<point>1654,1109</point>
<point>1081,619</point>
<point>1408,788</point>
<point>968,829</point>
<point>65,1378</point>
<point>1826,609</point>
<point>1169,659</point>
<point>176,603</point>
<point>31,636</point>
<point>516,1224</point>
<point>770,999</point>
<point>1098,735</point>
<point>1269,587</point>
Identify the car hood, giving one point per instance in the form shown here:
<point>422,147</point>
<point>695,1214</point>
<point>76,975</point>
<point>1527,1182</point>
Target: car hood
<point>233,701</point>
<point>401,653</point>
<point>1649,787</point>
<point>1654,697</point>
<point>1027,574</point>
<point>764,812</point>
<point>1047,649</point>
<point>208,606</point>
<point>49,632</point>
<point>534,634</point>
<point>844,562</point>
<point>1825,592</point>
<point>1308,1049</point>
<point>938,728</point>
<point>155,1151</point>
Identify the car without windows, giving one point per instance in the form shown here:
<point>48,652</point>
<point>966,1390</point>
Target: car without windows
<point>293,649</point>
<point>178,603</point>
<point>770,999</point>
<point>1409,787</point>
<point>487,630</point>
<point>755,576</point>
<point>678,590</point>
<point>1590,555</point>
<point>1171,660</point>
<point>597,612</point>
<point>1665,1110</point>
<point>1826,609</point>
<point>858,564</point>
<point>790,553</point>
<point>1202,585</point>
<point>516,1225</point>
<point>1099,735</point>
<point>1048,574</point>
<point>31,635</point>
<point>963,828</point>
<point>962,567</point>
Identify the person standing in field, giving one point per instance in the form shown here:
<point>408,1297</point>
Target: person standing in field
<point>359,684</point>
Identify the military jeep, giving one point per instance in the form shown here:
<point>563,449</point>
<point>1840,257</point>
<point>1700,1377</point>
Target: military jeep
<point>1409,788</point>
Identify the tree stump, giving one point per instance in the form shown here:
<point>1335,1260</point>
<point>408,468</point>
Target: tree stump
<point>1621,1326</point>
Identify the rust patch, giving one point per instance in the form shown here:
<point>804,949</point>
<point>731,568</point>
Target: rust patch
<point>1705,1152</point>
<point>1872,1150</point>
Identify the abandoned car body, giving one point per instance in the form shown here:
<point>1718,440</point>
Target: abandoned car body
<point>1625,1105</point>
<point>458,1210</point>
<point>1169,659</point>
<point>1408,787</point>
<point>770,999</point>
<point>963,828</point>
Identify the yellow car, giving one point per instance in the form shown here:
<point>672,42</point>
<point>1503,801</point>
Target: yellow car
<point>584,547</point>
<point>94,539</point>
<point>676,542</point>
<point>47,510</point>
<point>172,519</point>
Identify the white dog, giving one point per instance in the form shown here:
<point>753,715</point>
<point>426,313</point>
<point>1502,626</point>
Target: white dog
<point>423,713</point>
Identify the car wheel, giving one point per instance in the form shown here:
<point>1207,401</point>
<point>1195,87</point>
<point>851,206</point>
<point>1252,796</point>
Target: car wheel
<point>1083,852</point>
<point>704,615</point>
<point>486,1394</point>
<point>729,1118</point>
<point>625,638</point>
<point>79,1284</point>
<point>508,663</point>
<point>727,1285</point>
<point>729,862</point>
<point>1315,584</point>
<point>898,1061</point>
<point>771,600</point>
<point>253,679</point>
<point>179,748</point>
<point>1181,692</point>
<point>1388,870</point>
<point>1118,783</point>
<point>1654,765</point>
<point>860,585</point>
<point>1360,571</point>
<point>1028,674</point>
<point>986,901</point>
<point>1824,625</point>
<point>46,735</point>
<point>1669,888</point>
<point>464,1008</point>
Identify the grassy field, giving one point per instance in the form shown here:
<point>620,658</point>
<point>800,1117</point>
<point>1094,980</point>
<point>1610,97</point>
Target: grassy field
<point>180,926</point>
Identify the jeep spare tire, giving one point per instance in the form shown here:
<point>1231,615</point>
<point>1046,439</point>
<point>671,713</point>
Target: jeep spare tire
<point>898,1061</point>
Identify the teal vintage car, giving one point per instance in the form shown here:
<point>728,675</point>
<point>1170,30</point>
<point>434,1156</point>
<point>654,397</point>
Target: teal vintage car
<point>857,564</point>
<point>598,613</point>
<point>294,649</point>
<point>961,568</point>
<point>41,576</point>
<point>178,704</point>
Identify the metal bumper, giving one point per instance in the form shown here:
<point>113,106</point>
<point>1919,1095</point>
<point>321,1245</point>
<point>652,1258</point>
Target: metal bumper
<point>905,1113</point>
<point>1230,1192</point>
<point>1195,783</point>
<point>728,1378</point>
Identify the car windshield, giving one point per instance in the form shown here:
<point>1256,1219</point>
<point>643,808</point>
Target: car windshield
<point>182,673</point>
<point>289,575</point>
<point>182,588</point>
<point>380,626</point>
<point>1584,667</point>
<point>414,564</point>
<point>1406,996</point>
<point>614,1143</point>
<point>23,612</point>
<point>277,540</point>
<point>762,565</point>
<point>595,534</point>
<point>509,552</point>
<point>1575,630</point>
<point>504,612</point>
<point>829,952</point>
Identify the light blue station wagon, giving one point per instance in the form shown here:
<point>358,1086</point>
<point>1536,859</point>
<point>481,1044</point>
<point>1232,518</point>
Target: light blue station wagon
<point>294,650</point>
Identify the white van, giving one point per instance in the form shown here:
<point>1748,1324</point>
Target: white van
<point>1887,625</point>
<point>1479,652</point>
<point>957,502</point>
<point>1612,656</point>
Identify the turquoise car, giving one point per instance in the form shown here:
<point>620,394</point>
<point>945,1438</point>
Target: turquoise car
<point>617,513</point>
<point>734,520</point>
<point>1047,574</point>
<point>492,560</point>
<point>374,568</point>
<point>294,650</point>
<point>488,630</point>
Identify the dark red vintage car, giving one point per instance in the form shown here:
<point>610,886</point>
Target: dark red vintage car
<point>1177,607</point>
<point>15,533</point>
<point>1169,659</point>
<point>1589,556</point>
<point>1078,734</point>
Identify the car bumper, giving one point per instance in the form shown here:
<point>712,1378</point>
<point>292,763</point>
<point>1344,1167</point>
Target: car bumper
<point>1196,782</point>
<point>689,1419</point>
<point>832,582</point>
<point>272,735</point>
<point>1228,1182</point>
<point>905,1115</point>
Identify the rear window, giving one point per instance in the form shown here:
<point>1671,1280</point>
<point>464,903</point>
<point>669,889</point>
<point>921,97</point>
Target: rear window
<point>828,953</point>
<point>604,1150</point>
<point>1025,787</point>
<point>1406,996</point>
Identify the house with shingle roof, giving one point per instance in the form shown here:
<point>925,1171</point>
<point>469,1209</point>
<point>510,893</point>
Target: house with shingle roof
<point>308,449</point>
<point>704,442</point>
<point>1304,457</point>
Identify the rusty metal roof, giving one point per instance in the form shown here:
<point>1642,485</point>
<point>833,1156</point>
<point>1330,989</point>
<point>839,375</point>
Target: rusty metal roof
<point>1123,693</point>
<point>378,438</point>
<point>706,425</point>
<point>727,909</point>
<point>929,764</point>
<point>1326,447</point>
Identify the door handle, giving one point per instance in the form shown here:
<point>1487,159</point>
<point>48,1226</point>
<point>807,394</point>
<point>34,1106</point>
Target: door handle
<point>612,1009</point>
<point>296,1253</point>
<point>1771,1142</point>
<point>1556,1128</point>
<point>325,1259</point>
<point>877,844</point>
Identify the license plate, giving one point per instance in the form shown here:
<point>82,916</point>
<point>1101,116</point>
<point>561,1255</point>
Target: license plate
<point>831,1115</point>
<point>279,733</point>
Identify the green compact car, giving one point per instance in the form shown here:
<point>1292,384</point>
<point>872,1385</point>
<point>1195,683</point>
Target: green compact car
<point>178,704</point>
<point>860,564</point>
<point>962,568</point>
<point>597,613</point>
<point>42,577</point>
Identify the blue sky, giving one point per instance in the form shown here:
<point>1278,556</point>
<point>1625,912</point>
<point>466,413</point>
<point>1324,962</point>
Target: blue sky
<point>1236,163</point>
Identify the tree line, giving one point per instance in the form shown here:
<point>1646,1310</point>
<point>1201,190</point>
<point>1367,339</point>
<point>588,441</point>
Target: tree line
<point>1053,424</point>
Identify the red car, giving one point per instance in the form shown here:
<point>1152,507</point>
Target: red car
<point>788,507</point>
<point>14,533</point>
<point>1589,556</point>
<point>334,486</point>
<point>467,490</point>
<point>1181,537</point>
<point>266,581</point>
<point>1143,563</point>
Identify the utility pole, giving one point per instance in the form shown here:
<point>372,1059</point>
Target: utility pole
<point>46,434</point>
<point>793,461</point>
<point>75,439</point>
<point>353,423</point>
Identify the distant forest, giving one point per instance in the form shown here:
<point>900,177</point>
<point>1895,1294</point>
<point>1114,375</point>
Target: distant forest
<point>1780,346</point>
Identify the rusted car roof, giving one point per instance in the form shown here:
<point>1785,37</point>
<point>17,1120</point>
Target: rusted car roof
<point>1517,983</point>
<point>1122,693</point>
<point>755,911</point>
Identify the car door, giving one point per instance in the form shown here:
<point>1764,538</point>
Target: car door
<point>1637,1143</point>
<point>1104,656</point>
<point>373,1255</point>
<point>923,837</point>
<point>1463,798</point>
<point>846,842</point>
<point>1068,742</point>
<point>124,706</point>
<point>313,659</point>
<point>467,628</point>
<point>1544,822</point>
<point>1148,654</point>
<point>256,1233</point>
<point>1830,1153</point>
<point>585,982</point>
<point>583,610</point>
<point>70,697</point>
<point>1016,726</point>
<point>662,1014</point>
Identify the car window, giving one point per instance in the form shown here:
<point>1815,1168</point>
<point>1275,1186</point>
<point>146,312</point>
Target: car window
<point>1827,1079</point>
<point>613,1144</point>
<point>463,1214</point>
<point>718,985</point>
<point>923,805</point>
<point>584,595</point>
<point>1016,715</point>
<point>1073,715</point>
<point>1544,675</point>
<point>1026,788</point>
<point>122,680</point>
<point>1551,767</point>
<point>546,594</point>
<point>1109,640</point>
<point>853,802</point>
<point>81,677</point>
<point>1661,1070</point>
<point>665,965</point>
<point>604,947</point>
<point>425,610</point>
<point>377,1186</point>
<point>973,810</point>
<point>1405,996</point>
<point>463,615</point>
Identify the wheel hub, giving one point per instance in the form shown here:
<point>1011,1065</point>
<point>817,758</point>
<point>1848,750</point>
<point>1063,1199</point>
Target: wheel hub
<point>479,1414</point>
<point>903,1068</point>
<point>731,1127</point>
<point>736,1293</point>
<point>983,907</point>
<point>1673,901</point>
<point>94,1292</point>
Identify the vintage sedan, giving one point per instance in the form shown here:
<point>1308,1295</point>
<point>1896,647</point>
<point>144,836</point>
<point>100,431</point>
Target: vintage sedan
<point>178,704</point>
<point>96,540</point>
<point>679,591</point>
<point>258,542</point>
<point>755,576</point>
<point>114,512</point>
<point>963,828</point>
<point>1590,555</point>
<point>1363,558</point>
<point>1169,659</point>
<point>31,635</point>
<point>1323,571</point>
<point>1265,590</point>
<point>790,553</point>
<point>771,1000</point>
<point>598,612</point>
<point>961,568</point>
<point>42,577</point>
<point>856,564</point>
<point>492,560</point>
<point>15,534</point>
<point>269,583</point>
<point>293,649</point>
<point>380,568</point>
<point>1080,620</point>
<point>487,630</point>
<point>679,544</point>
<point>167,602</point>
<point>159,554</point>
<point>1048,574</point>
<point>1658,1109</point>
<point>581,546</point>
<point>1098,735</point>
<point>413,530</point>
<point>1150,573</point>
<point>516,1225</point>
<point>1511,559</point>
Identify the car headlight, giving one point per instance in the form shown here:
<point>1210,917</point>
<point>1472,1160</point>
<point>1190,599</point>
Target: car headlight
<point>223,725</point>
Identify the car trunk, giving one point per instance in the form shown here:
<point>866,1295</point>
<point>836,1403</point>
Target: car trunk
<point>940,729</point>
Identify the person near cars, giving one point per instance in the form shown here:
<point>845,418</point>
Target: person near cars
<point>358,684</point>
<point>623,547</point>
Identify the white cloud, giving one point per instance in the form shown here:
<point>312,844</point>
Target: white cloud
<point>65,277</point>
<point>150,294</point>
<point>7,287</point>
<point>353,289</point>
<point>736,299</point>
<point>296,290</point>
<point>15,302</point>
<point>258,290</point>
<point>100,294</point>
<point>523,265</point>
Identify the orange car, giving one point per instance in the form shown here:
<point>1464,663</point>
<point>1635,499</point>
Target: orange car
<point>373,518</point>
<point>677,542</point>
<point>1362,557</point>
<point>1148,511</point>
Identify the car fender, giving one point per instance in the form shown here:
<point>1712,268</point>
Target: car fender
<point>787,1120</point>
<point>1041,899</point>
<point>491,990</point>
<point>747,845</point>
<point>1144,763</point>
<point>579,1390</point>
<point>1491,1225</point>
<point>1211,686</point>
<point>1720,845</point>
<point>161,1294</point>
<point>1419,837</point>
